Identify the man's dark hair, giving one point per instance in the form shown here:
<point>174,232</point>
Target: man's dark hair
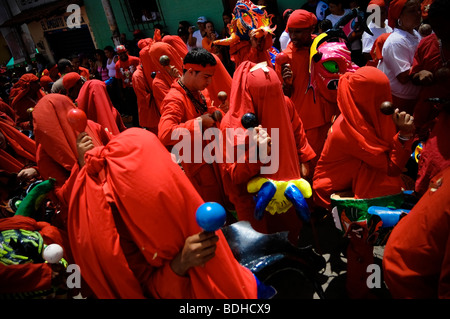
<point>109,48</point>
<point>200,56</point>
<point>63,64</point>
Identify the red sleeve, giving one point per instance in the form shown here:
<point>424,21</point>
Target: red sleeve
<point>304,150</point>
<point>179,287</point>
<point>25,278</point>
<point>172,114</point>
<point>160,90</point>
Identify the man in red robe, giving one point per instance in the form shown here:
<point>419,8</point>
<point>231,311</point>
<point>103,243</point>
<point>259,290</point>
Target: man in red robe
<point>431,70</point>
<point>24,95</point>
<point>363,153</point>
<point>295,77</point>
<point>125,67</point>
<point>186,112</point>
<point>137,237</point>
<point>416,260</point>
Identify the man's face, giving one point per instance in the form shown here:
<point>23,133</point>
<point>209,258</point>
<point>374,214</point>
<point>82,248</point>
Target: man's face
<point>123,56</point>
<point>75,90</point>
<point>301,37</point>
<point>202,79</point>
<point>335,8</point>
<point>76,63</point>
<point>201,25</point>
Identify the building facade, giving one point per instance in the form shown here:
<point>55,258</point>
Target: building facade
<point>61,28</point>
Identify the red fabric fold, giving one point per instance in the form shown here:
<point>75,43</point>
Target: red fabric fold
<point>157,205</point>
<point>94,100</point>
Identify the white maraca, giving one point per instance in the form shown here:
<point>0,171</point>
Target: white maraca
<point>53,253</point>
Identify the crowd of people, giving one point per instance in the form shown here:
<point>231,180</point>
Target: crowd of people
<point>156,146</point>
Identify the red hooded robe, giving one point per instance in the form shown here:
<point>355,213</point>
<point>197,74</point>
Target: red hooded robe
<point>362,152</point>
<point>125,251</point>
<point>56,151</point>
<point>94,100</point>
<point>261,93</point>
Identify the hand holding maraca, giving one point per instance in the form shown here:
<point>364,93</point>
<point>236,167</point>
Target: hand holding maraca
<point>78,121</point>
<point>200,248</point>
<point>224,104</point>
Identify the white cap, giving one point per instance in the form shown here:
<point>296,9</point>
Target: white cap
<point>202,19</point>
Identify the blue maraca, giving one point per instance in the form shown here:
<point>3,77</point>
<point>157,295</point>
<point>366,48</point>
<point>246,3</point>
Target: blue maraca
<point>210,216</point>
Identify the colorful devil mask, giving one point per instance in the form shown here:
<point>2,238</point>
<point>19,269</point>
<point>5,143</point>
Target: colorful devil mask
<point>328,62</point>
<point>247,17</point>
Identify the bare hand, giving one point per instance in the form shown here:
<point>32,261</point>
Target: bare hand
<point>173,71</point>
<point>198,249</point>
<point>27,174</point>
<point>424,77</point>
<point>286,73</point>
<point>84,144</point>
<point>262,138</point>
<point>404,123</point>
<point>224,106</point>
<point>304,169</point>
<point>207,121</point>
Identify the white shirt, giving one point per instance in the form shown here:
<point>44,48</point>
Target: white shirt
<point>198,35</point>
<point>334,18</point>
<point>111,68</point>
<point>284,40</point>
<point>368,40</point>
<point>398,55</point>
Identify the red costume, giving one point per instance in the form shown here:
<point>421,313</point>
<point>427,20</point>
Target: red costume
<point>179,113</point>
<point>177,43</point>
<point>56,151</point>
<point>221,81</point>
<point>7,111</point>
<point>124,234</point>
<point>125,70</point>
<point>148,110</point>
<point>417,255</point>
<point>260,92</point>
<point>313,113</point>
<point>163,80</point>
<point>21,100</point>
<point>362,152</point>
<point>94,100</point>
<point>428,57</point>
<point>20,152</point>
<point>304,150</point>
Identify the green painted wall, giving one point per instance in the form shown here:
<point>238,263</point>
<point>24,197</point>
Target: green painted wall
<point>178,10</point>
<point>172,10</point>
<point>99,24</point>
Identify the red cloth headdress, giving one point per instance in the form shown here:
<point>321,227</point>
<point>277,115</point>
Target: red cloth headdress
<point>360,95</point>
<point>23,146</point>
<point>301,19</point>
<point>70,79</point>
<point>177,43</point>
<point>94,100</point>
<point>395,9</point>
